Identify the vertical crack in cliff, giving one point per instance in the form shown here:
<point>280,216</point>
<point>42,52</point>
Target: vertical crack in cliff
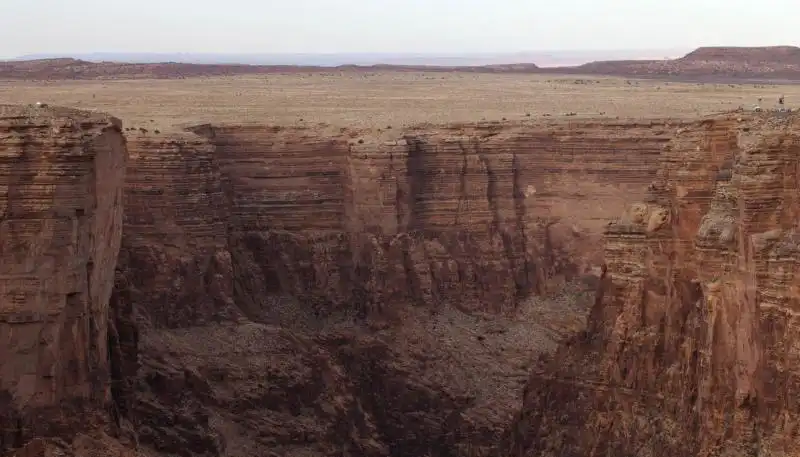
<point>399,196</point>
<point>518,194</point>
<point>415,169</point>
<point>462,189</point>
<point>491,186</point>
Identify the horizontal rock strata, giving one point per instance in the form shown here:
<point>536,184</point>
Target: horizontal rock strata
<point>473,215</point>
<point>61,176</point>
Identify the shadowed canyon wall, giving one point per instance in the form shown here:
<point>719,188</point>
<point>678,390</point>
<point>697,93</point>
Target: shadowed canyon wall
<point>474,215</point>
<point>224,224</point>
<point>691,348</point>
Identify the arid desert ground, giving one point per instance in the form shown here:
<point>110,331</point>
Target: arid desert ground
<point>396,99</point>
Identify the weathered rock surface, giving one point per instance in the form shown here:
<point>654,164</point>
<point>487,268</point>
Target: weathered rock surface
<point>175,233</point>
<point>61,176</point>
<point>473,215</point>
<point>690,347</point>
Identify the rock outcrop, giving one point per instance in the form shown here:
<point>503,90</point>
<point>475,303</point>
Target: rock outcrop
<point>690,348</point>
<point>61,185</point>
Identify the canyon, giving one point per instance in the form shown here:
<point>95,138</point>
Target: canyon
<point>269,278</point>
<point>542,287</point>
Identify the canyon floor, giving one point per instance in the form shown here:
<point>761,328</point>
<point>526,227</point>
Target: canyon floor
<point>354,264</point>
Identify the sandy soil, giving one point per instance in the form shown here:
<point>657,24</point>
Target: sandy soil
<point>378,100</point>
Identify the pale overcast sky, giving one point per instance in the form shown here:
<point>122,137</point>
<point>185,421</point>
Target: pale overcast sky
<point>436,26</point>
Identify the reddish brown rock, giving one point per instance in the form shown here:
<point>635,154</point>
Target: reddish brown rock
<point>689,349</point>
<point>175,255</point>
<point>61,178</point>
<point>476,215</point>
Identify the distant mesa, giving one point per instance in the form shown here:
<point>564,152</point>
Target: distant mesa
<point>712,64</point>
<point>761,54</point>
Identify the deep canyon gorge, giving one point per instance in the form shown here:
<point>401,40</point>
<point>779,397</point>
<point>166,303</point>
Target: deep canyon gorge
<point>535,288</point>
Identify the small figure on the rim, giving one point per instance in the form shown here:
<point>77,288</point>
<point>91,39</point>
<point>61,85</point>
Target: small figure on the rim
<point>780,100</point>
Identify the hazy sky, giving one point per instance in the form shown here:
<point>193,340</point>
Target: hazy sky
<point>320,26</point>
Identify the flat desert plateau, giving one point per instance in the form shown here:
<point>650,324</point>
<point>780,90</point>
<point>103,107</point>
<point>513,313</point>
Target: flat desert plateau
<point>377,100</point>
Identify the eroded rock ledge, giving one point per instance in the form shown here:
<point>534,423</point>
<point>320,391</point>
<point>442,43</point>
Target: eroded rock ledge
<point>690,350</point>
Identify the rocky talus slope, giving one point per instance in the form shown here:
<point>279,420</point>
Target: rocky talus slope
<point>298,292</point>
<point>690,347</point>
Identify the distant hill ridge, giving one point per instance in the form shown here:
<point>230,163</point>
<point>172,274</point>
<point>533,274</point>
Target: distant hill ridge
<point>757,63</point>
<point>777,54</point>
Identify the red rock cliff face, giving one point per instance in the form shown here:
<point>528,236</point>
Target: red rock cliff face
<point>175,255</point>
<point>474,215</point>
<point>61,177</point>
<point>174,271</point>
<point>690,347</point>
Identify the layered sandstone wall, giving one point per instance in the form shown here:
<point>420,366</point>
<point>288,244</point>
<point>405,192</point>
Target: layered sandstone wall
<point>478,215</point>
<point>61,176</point>
<point>690,348</point>
<point>175,256</point>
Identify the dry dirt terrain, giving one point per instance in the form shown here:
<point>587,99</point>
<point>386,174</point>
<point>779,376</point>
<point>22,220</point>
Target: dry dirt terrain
<point>276,272</point>
<point>377,100</point>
